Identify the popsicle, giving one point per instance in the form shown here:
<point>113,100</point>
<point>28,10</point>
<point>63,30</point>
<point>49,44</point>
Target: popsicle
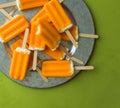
<point>36,42</point>
<point>13,28</point>
<point>26,4</point>
<point>58,54</point>
<point>59,18</point>
<point>74,32</point>
<point>20,60</point>
<point>49,34</point>
<point>62,68</point>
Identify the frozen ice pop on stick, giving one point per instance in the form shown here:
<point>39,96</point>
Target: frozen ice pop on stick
<point>20,60</point>
<point>26,4</point>
<point>62,68</point>
<point>12,28</point>
<point>49,34</point>
<point>19,44</point>
<point>59,18</point>
<point>36,43</point>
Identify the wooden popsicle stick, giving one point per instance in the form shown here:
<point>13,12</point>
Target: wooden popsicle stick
<point>6,14</point>
<point>71,38</point>
<point>44,78</point>
<point>76,60</point>
<point>5,5</point>
<point>84,67</point>
<point>71,57</point>
<point>34,60</point>
<point>25,38</point>
<point>11,12</point>
<point>89,35</point>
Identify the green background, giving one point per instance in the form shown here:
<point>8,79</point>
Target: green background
<point>91,89</point>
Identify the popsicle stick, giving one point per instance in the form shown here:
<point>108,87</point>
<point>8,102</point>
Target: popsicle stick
<point>25,38</point>
<point>84,67</point>
<point>8,50</point>
<point>76,60</point>
<point>34,60</point>
<point>11,12</point>
<point>6,14</point>
<point>89,36</point>
<point>71,57</point>
<point>71,38</point>
<point>44,78</point>
<point>5,5</point>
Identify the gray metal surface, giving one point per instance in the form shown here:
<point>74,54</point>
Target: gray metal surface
<point>80,15</point>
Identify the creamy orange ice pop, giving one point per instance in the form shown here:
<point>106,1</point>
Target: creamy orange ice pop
<point>13,28</point>
<point>62,68</point>
<point>57,68</point>
<point>20,60</point>
<point>36,42</point>
<point>74,32</point>
<point>49,34</point>
<point>57,15</point>
<point>59,18</point>
<point>58,54</point>
<point>25,4</point>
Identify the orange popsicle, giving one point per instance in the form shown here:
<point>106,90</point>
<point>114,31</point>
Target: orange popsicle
<point>36,42</point>
<point>24,4</point>
<point>49,34</point>
<point>57,15</point>
<point>20,60</point>
<point>27,4</point>
<point>59,18</point>
<point>13,28</point>
<point>57,68</point>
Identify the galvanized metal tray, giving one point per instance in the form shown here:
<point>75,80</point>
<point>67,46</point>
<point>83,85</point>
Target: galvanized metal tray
<point>80,15</point>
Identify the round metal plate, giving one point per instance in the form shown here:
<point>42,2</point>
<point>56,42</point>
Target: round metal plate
<point>80,15</point>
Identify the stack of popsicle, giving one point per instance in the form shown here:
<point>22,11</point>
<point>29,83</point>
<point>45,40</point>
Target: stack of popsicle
<point>47,28</point>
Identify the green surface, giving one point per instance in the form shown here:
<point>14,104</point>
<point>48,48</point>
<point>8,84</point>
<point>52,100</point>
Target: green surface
<point>96,89</point>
